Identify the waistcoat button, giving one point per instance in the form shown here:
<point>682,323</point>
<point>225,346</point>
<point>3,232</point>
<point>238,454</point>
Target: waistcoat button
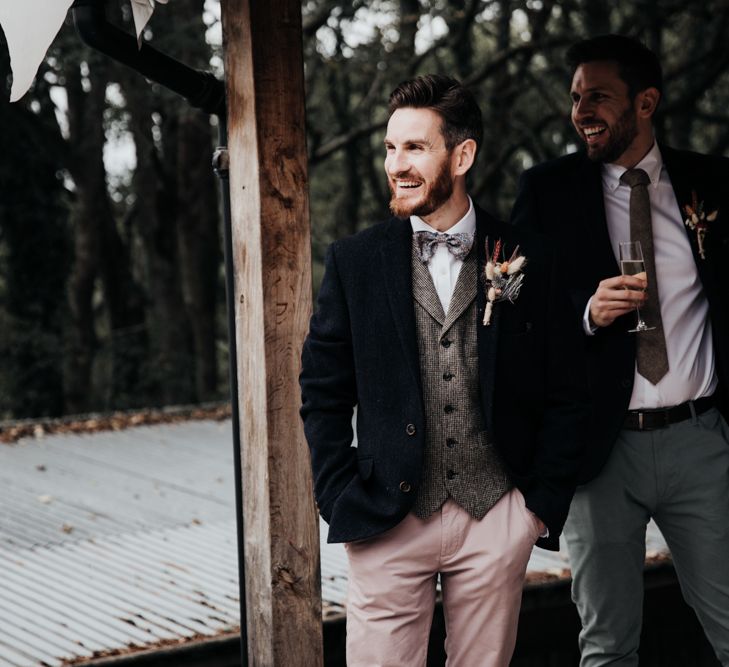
<point>410,429</point>
<point>405,487</point>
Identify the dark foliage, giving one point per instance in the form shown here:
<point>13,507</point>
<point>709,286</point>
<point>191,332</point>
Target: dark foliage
<point>111,285</point>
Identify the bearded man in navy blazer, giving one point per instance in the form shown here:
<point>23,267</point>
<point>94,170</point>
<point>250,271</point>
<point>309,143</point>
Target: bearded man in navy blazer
<point>469,401</point>
<point>660,446</point>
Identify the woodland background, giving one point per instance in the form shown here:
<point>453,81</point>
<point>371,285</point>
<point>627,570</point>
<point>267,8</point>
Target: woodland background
<point>111,278</point>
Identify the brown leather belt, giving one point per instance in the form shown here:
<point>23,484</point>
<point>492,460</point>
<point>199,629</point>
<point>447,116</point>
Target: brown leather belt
<point>650,420</point>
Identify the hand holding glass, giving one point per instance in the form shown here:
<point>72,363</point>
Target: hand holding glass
<point>632,264</point>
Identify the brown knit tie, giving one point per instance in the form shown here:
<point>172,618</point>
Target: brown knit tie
<point>650,345</point>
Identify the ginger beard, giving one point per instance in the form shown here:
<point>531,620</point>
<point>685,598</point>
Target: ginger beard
<point>426,197</point>
<point>620,136</point>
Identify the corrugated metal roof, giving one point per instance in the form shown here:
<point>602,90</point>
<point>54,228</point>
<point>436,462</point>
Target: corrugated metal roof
<point>71,600</point>
<point>116,540</point>
<point>127,539</point>
<point>80,486</point>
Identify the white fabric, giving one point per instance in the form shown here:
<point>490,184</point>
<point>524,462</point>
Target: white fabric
<point>443,266</point>
<point>684,309</point>
<point>29,26</point>
<point>142,11</point>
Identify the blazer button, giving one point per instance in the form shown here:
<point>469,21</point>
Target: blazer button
<point>410,429</point>
<point>445,342</point>
<point>448,409</point>
<point>451,442</point>
<point>405,487</point>
<point>448,376</point>
<point>451,474</point>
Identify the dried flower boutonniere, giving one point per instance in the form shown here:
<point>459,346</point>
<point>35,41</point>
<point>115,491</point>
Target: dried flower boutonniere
<point>698,219</point>
<point>503,278</point>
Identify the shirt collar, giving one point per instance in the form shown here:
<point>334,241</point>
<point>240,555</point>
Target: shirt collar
<point>652,164</point>
<point>466,225</point>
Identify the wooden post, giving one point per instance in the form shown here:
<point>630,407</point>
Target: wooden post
<point>272,265</point>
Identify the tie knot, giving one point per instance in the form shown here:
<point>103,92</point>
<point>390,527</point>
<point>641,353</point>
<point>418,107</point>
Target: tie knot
<point>634,177</point>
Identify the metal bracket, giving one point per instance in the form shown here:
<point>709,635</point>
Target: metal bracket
<point>221,162</point>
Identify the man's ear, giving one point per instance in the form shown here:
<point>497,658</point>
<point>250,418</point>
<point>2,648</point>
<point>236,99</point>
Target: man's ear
<point>646,102</point>
<point>464,156</point>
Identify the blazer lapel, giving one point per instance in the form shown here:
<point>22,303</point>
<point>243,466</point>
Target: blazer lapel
<point>680,180</point>
<point>486,336</point>
<point>587,187</point>
<point>395,256</point>
<point>682,188</point>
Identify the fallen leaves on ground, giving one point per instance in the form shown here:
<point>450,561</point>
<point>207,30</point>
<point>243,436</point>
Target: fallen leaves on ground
<point>11,432</point>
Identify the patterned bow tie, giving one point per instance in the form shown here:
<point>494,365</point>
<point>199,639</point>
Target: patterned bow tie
<point>458,244</point>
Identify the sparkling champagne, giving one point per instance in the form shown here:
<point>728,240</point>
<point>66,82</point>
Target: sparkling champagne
<point>632,264</point>
<point>633,267</point>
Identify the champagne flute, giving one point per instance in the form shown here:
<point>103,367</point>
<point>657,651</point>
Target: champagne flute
<point>632,264</point>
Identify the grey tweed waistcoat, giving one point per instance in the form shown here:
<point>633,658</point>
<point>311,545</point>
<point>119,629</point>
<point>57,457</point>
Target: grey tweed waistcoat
<point>460,462</point>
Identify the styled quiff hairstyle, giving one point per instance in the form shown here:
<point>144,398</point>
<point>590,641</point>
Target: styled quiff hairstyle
<point>447,97</point>
<point>637,65</point>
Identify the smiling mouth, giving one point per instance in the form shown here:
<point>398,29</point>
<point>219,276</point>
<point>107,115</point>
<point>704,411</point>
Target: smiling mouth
<point>592,132</point>
<point>407,185</point>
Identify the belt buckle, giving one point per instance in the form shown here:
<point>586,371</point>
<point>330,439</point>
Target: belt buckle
<point>642,426</point>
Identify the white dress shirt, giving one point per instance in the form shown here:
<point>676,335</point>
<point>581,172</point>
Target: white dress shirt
<point>444,266</point>
<point>684,309</point>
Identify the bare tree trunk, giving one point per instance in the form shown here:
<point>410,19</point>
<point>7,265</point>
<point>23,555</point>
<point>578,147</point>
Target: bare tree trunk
<point>155,218</point>
<point>34,261</point>
<point>499,105</point>
<point>654,41</point>
<point>125,307</point>
<point>409,16</point>
<point>85,113</point>
<point>597,18</point>
<point>463,46</point>
<point>346,211</point>
<point>100,253</point>
<point>197,206</point>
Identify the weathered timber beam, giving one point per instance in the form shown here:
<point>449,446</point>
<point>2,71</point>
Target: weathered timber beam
<point>272,260</point>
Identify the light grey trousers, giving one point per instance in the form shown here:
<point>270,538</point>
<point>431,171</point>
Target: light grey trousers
<point>679,476</point>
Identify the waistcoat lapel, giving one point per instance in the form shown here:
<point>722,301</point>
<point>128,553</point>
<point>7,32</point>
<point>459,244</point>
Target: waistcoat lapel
<point>424,291</point>
<point>464,292</point>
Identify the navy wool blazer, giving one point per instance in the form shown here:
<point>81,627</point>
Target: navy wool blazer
<point>362,351</point>
<point>563,199</point>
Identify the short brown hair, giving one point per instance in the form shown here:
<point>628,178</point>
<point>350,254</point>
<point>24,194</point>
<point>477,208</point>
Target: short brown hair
<point>446,96</point>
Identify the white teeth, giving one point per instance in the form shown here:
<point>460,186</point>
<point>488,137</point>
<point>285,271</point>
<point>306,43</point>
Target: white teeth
<point>593,131</point>
<point>407,184</point>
